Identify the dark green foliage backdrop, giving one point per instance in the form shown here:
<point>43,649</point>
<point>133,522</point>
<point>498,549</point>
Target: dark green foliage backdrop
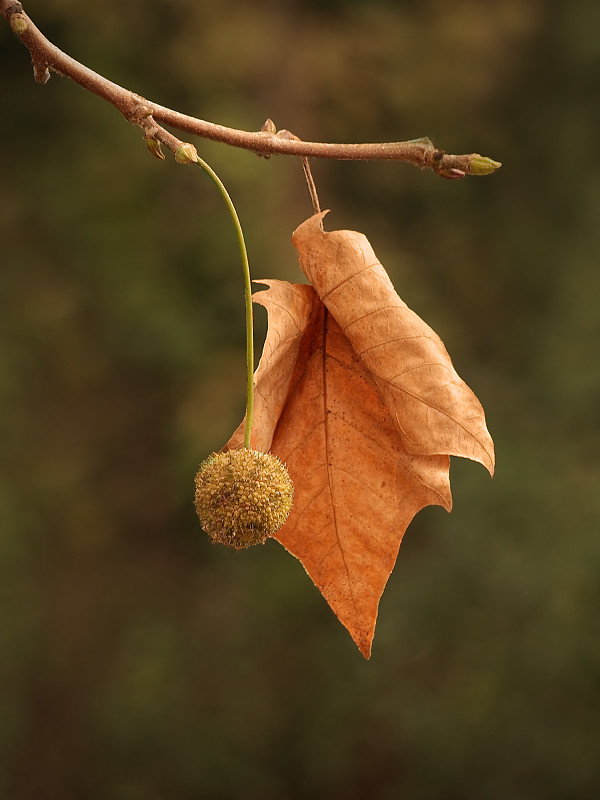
<point>137,662</point>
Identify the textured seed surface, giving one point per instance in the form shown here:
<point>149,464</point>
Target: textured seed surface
<point>242,496</point>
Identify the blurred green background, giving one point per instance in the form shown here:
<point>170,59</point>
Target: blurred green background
<point>137,661</point>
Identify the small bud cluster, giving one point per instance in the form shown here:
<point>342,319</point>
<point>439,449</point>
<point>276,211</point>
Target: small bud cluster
<point>242,496</point>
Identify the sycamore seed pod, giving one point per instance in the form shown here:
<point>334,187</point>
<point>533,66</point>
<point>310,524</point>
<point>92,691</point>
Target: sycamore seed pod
<point>242,497</point>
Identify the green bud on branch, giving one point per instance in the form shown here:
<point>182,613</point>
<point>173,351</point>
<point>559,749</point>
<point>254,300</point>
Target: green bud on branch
<point>482,165</point>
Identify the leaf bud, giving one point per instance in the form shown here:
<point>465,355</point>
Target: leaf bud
<point>268,127</point>
<point>482,165</point>
<point>41,73</point>
<point>18,23</point>
<point>453,174</point>
<point>242,497</point>
<point>154,146</point>
<point>186,153</point>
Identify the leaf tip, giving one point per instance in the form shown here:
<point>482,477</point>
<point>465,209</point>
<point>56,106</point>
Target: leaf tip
<point>311,226</point>
<point>366,650</point>
<point>489,461</point>
<point>363,639</point>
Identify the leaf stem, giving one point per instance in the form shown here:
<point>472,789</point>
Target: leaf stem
<point>247,296</point>
<point>312,188</point>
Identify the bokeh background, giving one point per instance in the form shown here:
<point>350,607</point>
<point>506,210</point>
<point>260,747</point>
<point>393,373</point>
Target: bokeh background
<point>137,661</point>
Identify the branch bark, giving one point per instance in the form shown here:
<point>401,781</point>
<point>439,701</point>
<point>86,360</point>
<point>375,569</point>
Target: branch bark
<point>148,115</point>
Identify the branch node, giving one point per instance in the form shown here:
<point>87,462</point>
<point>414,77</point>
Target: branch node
<point>155,135</point>
<point>268,129</point>
<point>139,110</point>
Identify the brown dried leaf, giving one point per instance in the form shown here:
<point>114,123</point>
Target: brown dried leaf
<point>359,397</point>
<point>434,410</point>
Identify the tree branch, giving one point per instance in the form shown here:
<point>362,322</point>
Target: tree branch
<point>45,56</point>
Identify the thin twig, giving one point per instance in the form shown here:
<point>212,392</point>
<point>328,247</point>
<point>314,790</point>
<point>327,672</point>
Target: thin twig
<point>46,56</point>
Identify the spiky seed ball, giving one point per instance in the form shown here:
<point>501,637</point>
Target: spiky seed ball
<point>242,496</point>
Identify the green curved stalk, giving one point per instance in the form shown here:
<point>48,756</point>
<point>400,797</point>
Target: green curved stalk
<point>248,298</point>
